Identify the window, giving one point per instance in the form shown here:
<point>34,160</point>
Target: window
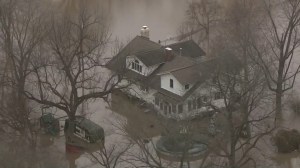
<point>173,108</point>
<point>218,95</point>
<point>187,87</point>
<point>77,130</point>
<point>161,106</point>
<point>170,110</point>
<point>156,100</point>
<point>180,108</point>
<point>171,83</point>
<point>87,137</point>
<point>199,102</point>
<point>144,88</point>
<point>165,108</point>
<point>136,66</point>
<point>194,104</point>
<point>189,105</point>
<point>215,80</point>
<point>204,99</point>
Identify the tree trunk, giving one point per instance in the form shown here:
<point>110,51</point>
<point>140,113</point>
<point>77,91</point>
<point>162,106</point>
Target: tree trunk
<point>278,106</point>
<point>279,94</point>
<point>231,157</point>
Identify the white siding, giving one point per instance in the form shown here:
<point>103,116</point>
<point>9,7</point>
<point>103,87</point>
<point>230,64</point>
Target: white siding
<point>150,69</point>
<point>145,70</point>
<point>178,88</point>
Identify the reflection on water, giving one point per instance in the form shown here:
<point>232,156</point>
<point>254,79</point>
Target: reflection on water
<point>127,16</point>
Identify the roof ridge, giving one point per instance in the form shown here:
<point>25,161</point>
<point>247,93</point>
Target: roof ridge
<point>146,51</point>
<point>181,42</point>
<point>170,71</point>
<point>185,67</point>
<point>148,40</point>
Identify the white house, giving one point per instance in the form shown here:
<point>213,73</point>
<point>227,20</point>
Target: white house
<point>177,79</point>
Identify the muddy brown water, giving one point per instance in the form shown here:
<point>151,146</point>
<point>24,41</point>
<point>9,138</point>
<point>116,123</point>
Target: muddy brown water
<point>163,17</point>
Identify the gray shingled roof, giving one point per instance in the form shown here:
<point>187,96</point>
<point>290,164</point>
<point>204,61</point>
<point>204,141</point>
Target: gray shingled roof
<point>189,75</point>
<point>199,73</point>
<point>178,62</point>
<point>189,49</point>
<point>184,67</point>
<point>152,57</point>
<point>138,44</point>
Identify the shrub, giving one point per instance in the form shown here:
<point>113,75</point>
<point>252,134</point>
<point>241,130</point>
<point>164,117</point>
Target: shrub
<point>295,105</point>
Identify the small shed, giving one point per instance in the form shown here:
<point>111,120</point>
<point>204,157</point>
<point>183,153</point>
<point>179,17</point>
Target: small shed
<point>85,129</point>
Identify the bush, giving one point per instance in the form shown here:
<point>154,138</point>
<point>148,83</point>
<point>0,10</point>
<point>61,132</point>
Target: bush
<point>287,140</point>
<point>295,105</point>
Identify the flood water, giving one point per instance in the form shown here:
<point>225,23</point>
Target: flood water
<point>126,17</point>
<point>163,17</point>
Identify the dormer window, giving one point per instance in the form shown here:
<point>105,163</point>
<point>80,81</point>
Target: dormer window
<point>171,83</point>
<point>136,66</point>
<point>187,87</point>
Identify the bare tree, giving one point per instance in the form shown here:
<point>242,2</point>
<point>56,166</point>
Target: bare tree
<point>112,156</point>
<point>71,70</point>
<point>240,24</point>
<point>232,117</point>
<point>242,87</point>
<point>202,16</point>
<point>21,29</point>
<point>276,49</point>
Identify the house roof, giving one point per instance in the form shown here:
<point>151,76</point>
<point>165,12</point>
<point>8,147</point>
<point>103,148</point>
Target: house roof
<point>188,48</point>
<point>152,57</point>
<point>178,62</point>
<point>199,73</point>
<point>152,53</point>
<point>183,66</point>
<point>138,44</point>
<point>189,75</point>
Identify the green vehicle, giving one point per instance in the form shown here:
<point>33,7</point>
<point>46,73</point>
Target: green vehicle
<point>83,131</point>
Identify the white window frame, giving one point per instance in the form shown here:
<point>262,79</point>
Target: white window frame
<point>136,66</point>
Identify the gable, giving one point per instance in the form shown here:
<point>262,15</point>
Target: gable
<point>118,62</point>
<point>152,57</point>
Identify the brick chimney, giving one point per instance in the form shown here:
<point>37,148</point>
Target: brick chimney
<point>169,54</point>
<point>145,32</point>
